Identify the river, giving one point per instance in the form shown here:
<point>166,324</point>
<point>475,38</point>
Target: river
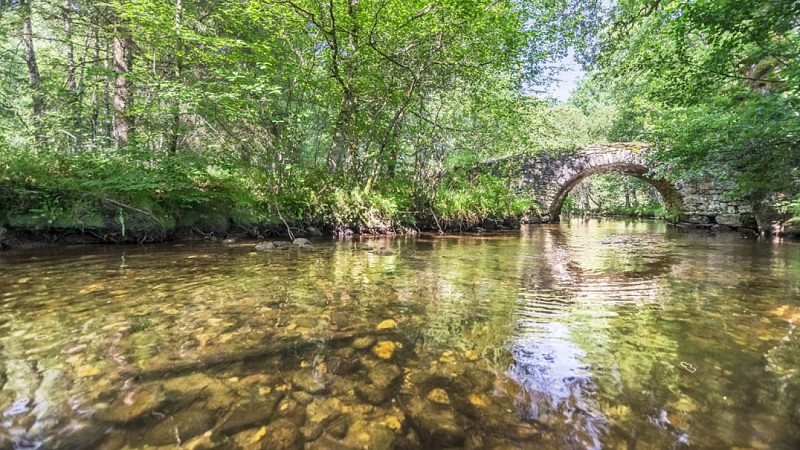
<point>588,334</point>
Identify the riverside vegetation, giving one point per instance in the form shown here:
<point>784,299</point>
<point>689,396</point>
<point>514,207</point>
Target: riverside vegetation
<point>137,121</point>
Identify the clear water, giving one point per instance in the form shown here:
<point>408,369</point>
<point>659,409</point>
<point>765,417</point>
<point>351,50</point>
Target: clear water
<point>588,334</point>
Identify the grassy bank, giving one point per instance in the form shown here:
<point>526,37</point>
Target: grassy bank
<point>130,196</point>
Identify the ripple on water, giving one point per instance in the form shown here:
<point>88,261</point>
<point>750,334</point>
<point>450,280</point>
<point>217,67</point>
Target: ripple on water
<point>575,336</point>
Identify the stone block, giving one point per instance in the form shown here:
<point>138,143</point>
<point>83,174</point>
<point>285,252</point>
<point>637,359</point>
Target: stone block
<point>697,219</point>
<point>731,220</point>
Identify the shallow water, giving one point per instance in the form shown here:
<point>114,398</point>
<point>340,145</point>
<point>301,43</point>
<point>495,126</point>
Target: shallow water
<point>588,334</point>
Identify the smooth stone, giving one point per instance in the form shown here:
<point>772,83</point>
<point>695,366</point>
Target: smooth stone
<point>264,246</point>
<point>313,231</point>
<point>282,435</point>
<point>387,324</point>
<point>301,241</point>
<point>371,394</point>
<point>133,406</point>
<point>479,401</point>
<point>438,396</point>
<point>384,349</point>
<point>313,383</point>
<point>436,425</point>
<point>383,375</point>
<point>250,413</point>
<point>363,342</point>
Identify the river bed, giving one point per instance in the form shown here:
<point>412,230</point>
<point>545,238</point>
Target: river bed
<point>588,334</point>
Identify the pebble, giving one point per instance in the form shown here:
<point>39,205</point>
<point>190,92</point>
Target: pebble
<point>438,396</point>
<point>387,325</point>
<point>384,349</point>
<point>364,342</point>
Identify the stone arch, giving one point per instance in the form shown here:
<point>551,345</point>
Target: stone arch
<point>672,198</point>
<point>548,178</point>
<point>565,170</point>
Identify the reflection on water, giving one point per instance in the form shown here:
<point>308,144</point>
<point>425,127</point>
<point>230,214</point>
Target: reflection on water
<point>589,334</point>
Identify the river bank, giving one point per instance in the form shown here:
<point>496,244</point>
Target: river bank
<point>15,238</point>
<point>11,238</point>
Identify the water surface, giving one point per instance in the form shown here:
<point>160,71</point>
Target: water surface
<point>588,334</point>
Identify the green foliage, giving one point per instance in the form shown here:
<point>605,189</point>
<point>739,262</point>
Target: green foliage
<point>714,84</point>
<point>465,202</point>
<point>244,112</point>
<point>615,194</point>
<point>112,190</point>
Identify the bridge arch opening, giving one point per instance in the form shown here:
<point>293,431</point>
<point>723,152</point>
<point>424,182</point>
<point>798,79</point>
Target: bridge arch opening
<point>673,200</point>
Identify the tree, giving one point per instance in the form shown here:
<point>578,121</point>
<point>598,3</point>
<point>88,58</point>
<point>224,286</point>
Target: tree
<point>714,84</point>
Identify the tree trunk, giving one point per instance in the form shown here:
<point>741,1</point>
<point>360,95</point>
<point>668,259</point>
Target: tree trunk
<point>122,86</point>
<point>37,96</point>
<point>72,84</point>
<point>176,114</point>
<point>345,145</point>
<point>95,86</point>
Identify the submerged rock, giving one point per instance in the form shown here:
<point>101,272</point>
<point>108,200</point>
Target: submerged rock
<point>369,435</point>
<point>282,435</point>
<point>303,242</point>
<point>302,397</point>
<point>181,426</point>
<point>383,375</point>
<point>384,349</point>
<point>338,427</point>
<point>343,366</point>
<point>216,395</point>
<point>436,425</point>
<point>363,342</point>
<point>250,413</point>
<point>134,405</point>
<point>319,415</point>
<point>311,382</point>
<point>80,435</point>
<point>371,394</point>
<point>438,396</point>
<point>387,324</point>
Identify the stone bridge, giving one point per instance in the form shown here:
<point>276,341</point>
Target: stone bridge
<point>549,177</point>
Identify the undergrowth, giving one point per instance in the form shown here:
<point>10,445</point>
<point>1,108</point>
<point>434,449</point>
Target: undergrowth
<point>130,193</point>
